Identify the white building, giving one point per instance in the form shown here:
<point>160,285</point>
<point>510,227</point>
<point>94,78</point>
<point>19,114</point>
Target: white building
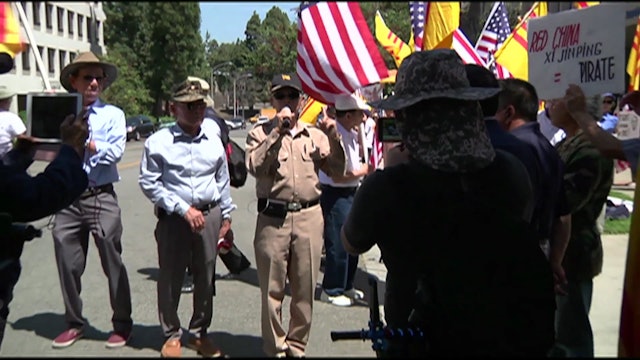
<point>60,30</point>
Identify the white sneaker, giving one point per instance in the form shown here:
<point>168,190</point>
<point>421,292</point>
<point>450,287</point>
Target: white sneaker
<point>339,300</point>
<point>354,294</point>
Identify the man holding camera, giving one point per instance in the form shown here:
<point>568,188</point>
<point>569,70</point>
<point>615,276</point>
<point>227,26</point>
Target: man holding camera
<point>284,155</point>
<point>24,198</point>
<point>96,211</point>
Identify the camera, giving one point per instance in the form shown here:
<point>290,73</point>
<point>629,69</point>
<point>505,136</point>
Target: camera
<point>388,130</point>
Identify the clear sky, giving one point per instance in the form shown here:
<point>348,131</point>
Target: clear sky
<point>226,21</point>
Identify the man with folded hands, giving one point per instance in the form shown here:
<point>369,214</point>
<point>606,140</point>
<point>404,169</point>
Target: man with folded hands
<point>184,173</point>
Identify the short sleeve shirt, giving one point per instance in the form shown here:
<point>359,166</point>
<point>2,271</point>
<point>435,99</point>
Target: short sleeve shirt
<point>10,127</point>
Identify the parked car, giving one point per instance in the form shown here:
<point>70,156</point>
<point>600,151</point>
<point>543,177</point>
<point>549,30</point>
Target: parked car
<point>236,123</point>
<point>139,126</point>
<point>166,125</point>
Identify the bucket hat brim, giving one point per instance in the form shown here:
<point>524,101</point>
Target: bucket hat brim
<point>396,102</point>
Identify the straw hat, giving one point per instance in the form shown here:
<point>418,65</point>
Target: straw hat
<point>83,59</point>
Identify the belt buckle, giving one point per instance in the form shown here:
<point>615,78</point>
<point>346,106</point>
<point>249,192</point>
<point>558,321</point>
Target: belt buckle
<point>294,206</point>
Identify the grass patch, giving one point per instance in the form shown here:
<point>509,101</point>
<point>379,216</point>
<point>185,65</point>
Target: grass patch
<point>620,195</point>
<point>617,226</point>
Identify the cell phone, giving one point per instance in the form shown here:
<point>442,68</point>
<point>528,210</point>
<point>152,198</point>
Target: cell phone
<point>388,130</point>
<point>46,111</point>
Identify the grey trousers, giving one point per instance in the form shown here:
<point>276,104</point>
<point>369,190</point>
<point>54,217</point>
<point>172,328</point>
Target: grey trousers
<point>178,246</point>
<point>100,216</point>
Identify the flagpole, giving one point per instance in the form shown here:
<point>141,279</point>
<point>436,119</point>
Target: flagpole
<point>486,23</point>
<point>33,45</point>
<point>524,18</point>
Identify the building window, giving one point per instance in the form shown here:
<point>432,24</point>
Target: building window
<point>48,16</point>
<point>51,60</point>
<point>80,25</point>
<point>36,13</point>
<point>60,20</point>
<point>72,56</point>
<point>98,25</point>
<point>89,21</point>
<point>62,56</point>
<point>26,65</point>
<point>70,22</point>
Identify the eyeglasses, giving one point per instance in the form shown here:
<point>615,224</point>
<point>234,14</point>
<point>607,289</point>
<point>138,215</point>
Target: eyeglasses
<point>282,95</point>
<point>89,78</point>
<point>196,105</point>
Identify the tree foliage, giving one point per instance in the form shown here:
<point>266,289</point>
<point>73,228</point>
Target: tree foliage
<point>160,44</point>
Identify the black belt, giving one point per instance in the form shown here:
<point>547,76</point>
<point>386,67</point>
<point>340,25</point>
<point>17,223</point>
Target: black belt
<point>280,208</point>
<point>203,208</point>
<point>350,190</point>
<point>95,190</point>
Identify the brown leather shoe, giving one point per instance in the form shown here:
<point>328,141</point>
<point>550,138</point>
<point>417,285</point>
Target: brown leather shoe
<point>204,346</point>
<point>171,348</point>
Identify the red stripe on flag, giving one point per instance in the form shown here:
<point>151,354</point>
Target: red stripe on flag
<point>520,40</point>
<point>342,32</point>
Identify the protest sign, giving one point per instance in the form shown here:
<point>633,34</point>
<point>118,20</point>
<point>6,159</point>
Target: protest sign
<point>583,47</point>
<point>628,126</point>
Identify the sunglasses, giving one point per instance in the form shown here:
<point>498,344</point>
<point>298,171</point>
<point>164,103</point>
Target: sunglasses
<point>607,101</point>
<point>89,78</point>
<point>196,105</point>
<point>291,95</point>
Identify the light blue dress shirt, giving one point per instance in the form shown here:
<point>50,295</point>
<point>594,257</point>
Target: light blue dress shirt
<point>108,130</point>
<point>178,171</point>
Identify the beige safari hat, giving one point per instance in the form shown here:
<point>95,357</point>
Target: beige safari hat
<point>87,58</point>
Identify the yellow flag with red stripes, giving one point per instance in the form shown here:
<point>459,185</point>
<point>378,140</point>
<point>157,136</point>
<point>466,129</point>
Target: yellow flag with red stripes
<point>633,64</point>
<point>584,4</point>
<point>390,41</point>
<point>10,38</point>
<point>514,53</point>
<point>309,113</point>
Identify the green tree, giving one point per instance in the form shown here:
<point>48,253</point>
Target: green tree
<point>163,40</point>
<point>128,92</point>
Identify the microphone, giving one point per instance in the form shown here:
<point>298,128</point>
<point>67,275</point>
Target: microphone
<point>286,117</point>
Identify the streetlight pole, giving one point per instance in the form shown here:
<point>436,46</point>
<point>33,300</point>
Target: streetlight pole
<point>213,70</point>
<point>235,81</point>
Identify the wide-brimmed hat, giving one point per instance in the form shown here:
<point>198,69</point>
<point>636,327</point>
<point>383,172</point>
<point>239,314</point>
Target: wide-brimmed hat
<point>188,91</point>
<point>83,59</point>
<point>350,102</point>
<point>6,92</point>
<point>432,74</point>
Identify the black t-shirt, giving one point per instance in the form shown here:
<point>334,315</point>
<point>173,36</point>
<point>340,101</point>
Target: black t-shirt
<point>467,232</point>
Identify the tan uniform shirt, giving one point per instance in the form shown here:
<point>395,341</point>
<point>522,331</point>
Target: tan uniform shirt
<point>286,167</point>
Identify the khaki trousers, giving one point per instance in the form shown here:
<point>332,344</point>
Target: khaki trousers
<point>288,248</point>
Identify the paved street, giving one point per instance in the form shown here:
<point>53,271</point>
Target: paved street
<point>37,310</point>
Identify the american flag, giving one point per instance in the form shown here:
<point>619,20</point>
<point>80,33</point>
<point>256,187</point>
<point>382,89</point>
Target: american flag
<point>334,50</point>
<point>465,50</point>
<point>495,32</point>
<point>418,12</point>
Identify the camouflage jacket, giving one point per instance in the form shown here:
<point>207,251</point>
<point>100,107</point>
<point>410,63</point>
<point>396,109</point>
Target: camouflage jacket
<point>587,180</point>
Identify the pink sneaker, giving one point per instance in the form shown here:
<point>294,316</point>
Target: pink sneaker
<point>67,338</point>
<point>118,339</point>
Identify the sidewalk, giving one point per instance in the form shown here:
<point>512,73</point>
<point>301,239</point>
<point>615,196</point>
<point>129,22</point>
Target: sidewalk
<point>607,291</point>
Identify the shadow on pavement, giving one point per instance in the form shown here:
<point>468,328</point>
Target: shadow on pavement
<point>49,326</point>
<point>241,346</point>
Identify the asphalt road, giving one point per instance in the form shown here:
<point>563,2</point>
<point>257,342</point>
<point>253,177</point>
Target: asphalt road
<point>36,316</point>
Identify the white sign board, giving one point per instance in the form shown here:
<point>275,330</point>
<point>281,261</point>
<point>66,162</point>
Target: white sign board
<point>583,47</point>
<point>628,126</point>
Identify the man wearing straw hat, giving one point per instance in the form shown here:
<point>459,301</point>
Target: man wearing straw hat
<point>96,211</point>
